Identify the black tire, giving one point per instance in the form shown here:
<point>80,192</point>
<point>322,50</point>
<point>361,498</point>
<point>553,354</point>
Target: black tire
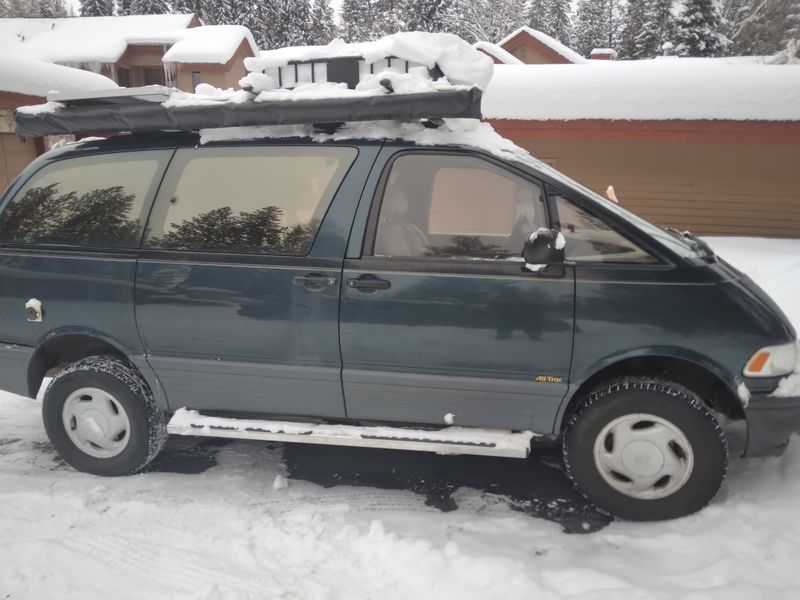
<point>148,430</point>
<point>669,401</point>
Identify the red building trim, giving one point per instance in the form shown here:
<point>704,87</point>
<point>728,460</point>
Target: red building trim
<point>676,132</point>
<point>14,100</point>
<point>523,38</point>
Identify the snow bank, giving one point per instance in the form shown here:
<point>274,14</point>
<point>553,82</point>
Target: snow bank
<point>644,90</point>
<point>87,40</point>
<point>552,43</point>
<point>36,78</point>
<point>461,63</point>
<point>210,44</point>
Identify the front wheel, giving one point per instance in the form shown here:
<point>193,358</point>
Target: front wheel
<point>101,417</point>
<point>645,450</point>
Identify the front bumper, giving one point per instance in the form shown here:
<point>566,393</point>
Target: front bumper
<point>770,423</point>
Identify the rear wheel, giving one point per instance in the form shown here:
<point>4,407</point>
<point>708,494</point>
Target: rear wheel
<point>101,417</point>
<point>645,450</point>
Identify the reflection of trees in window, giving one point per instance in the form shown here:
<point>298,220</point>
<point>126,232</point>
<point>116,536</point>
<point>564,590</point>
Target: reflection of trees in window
<point>97,217</point>
<point>259,231</point>
<point>469,245</point>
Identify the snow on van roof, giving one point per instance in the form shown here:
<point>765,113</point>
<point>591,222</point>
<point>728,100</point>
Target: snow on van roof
<point>657,90</point>
<point>471,133</point>
<point>209,44</point>
<point>87,39</point>
<point>36,78</point>
<point>495,51</point>
<point>548,41</point>
<point>460,63</point>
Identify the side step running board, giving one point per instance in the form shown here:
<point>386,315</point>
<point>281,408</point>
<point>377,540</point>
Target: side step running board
<point>450,440</point>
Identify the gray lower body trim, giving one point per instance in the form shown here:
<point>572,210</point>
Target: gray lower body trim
<point>14,361</point>
<point>386,396</point>
<point>205,384</point>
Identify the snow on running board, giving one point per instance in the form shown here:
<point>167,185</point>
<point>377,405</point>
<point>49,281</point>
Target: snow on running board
<point>450,440</point>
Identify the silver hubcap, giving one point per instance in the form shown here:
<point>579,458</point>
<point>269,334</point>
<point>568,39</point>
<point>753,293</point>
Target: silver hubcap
<point>643,456</point>
<point>96,422</point>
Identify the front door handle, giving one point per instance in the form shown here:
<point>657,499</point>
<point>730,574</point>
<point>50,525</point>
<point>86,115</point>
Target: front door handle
<point>315,281</point>
<point>368,283</point>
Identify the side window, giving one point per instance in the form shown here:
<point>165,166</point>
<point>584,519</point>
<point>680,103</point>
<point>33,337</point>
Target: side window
<point>260,200</point>
<point>455,206</point>
<point>97,200</point>
<point>589,239</point>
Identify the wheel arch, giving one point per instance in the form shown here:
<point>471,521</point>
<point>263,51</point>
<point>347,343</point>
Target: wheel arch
<point>708,380</point>
<point>62,347</point>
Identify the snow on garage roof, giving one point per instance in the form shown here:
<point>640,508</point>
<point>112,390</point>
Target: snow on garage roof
<point>209,44</point>
<point>548,41</point>
<point>495,51</point>
<point>36,78</point>
<point>73,40</point>
<point>657,90</point>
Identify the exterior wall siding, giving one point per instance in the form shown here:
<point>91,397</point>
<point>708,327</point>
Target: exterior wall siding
<point>710,188</point>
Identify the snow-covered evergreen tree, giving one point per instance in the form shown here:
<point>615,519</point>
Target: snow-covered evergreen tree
<point>321,26</point>
<point>657,29</point>
<point>149,7</point>
<point>697,29</point>
<point>598,24</point>
<point>53,8</point>
<point>358,20</point>
<point>487,20</point>
<point>760,27</point>
<point>97,8</point>
<point>283,23</point>
<point>185,7</point>
<point>635,15</point>
<point>558,21</point>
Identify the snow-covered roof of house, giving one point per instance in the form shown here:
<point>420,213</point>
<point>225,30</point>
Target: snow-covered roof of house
<point>645,90</point>
<point>72,40</point>
<point>550,42</point>
<point>209,44</point>
<point>36,78</point>
<point>500,54</point>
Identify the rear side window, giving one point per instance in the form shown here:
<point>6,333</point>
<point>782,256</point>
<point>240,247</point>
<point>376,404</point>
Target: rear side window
<point>457,207</point>
<point>97,200</point>
<point>260,200</point>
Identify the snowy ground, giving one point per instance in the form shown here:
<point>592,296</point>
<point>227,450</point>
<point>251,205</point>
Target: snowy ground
<point>209,522</point>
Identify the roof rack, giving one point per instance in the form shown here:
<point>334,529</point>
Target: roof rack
<point>139,110</point>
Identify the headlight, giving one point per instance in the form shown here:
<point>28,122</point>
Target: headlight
<point>772,361</point>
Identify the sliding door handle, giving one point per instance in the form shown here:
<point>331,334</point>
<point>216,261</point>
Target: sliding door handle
<point>368,283</point>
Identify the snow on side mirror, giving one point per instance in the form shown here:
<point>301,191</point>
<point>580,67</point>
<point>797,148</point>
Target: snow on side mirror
<point>542,248</point>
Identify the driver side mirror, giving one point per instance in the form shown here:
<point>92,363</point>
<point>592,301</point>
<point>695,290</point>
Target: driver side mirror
<point>542,248</point>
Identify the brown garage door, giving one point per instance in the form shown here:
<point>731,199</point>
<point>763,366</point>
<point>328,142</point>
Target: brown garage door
<point>15,155</point>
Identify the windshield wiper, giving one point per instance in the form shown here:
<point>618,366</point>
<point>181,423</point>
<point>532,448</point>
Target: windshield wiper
<point>700,246</point>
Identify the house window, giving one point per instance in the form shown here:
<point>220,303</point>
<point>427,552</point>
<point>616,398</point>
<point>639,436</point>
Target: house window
<point>197,79</point>
<point>154,76</point>
<point>124,77</point>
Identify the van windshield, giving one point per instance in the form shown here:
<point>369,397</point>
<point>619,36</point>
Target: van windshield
<point>686,247</point>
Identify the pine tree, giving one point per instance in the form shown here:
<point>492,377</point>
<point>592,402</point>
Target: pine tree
<point>657,29</point>
<point>487,20</point>
<point>321,26</point>
<point>598,24</point>
<point>284,23</point>
<point>425,15</point>
<point>762,28</point>
<point>558,22</point>
<point>185,7</point>
<point>123,7</point>
<point>635,16</point>
<point>697,29</point>
<point>149,7</point>
<point>97,8</point>
<point>358,20</point>
<point>53,8</point>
